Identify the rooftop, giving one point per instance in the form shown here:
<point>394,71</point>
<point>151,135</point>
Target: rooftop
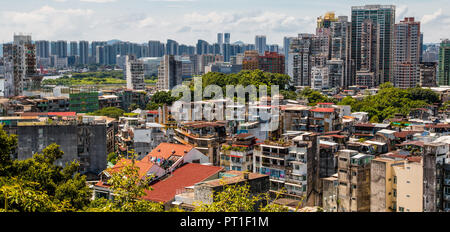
<point>323,110</point>
<point>232,177</point>
<point>185,176</point>
<point>166,150</point>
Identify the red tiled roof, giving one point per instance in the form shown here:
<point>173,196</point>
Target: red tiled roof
<point>416,143</point>
<point>437,126</point>
<point>165,150</point>
<point>365,125</point>
<point>152,112</point>
<point>417,159</point>
<point>324,146</point>
<point>323,110</point>
<point>244,135</point>
<point>34,114</point>
<point>63,114</point>
<point>338,136</point>
<point>185,176</point>
<point>396,155</point>
<point>143,165</point>
<point>332,132</point>
<point>366,135</point>
<point>404,134</point>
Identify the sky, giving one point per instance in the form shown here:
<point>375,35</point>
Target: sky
<point>186,21</point>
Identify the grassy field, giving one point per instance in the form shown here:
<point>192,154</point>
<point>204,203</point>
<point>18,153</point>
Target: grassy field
<point>93,78</point>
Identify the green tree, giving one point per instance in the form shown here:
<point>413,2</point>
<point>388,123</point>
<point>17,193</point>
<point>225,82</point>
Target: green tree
<point>112,158</point>
<point>37,184</point>
<point>390,101</point>
<point>315,97</point>
<point>128,189</point>
<point>159,99</point>
<point>238,198</point>
<point>111,112</point>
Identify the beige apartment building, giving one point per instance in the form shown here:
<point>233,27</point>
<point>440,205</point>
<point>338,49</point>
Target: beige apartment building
<point>396,184</point>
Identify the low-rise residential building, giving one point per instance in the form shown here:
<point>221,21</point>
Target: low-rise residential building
<point>237,153</point>
<point>330,193</point>
<point>383,183</point>
<point>324,120</point>
<point>88,140</point>
<point>354,181</point>
<point>204,192</point>
<point>204,136</point>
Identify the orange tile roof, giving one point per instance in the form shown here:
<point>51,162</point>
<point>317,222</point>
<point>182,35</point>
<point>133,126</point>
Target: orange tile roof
<point>166,150</point>
<point>185,176</point>
<point>143,166</point>
<point>323,110</point>
<point>417,159</point>
<point>63,114</point>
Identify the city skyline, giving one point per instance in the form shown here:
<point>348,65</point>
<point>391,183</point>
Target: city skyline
<point>186,21</point>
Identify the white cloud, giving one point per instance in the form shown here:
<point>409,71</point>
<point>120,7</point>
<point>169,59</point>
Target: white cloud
<point>401,12</point>
<point>98,1</point>
<point>431,17</point>
<point>46,22</point>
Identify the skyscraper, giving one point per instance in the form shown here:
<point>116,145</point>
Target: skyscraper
<point>61,48</point>
<point>227,37</point>
<point>444,62</point>
<point>383,16</point>
<point>341,50</point>
<point>19,60</point>
<point>43,49</point>
<point>226,52</point>
<point>327,20</point>
<point>134,72</point>
<point>171,47</point>
<point>73,48</point>
<point>94,54</point>
<point>220,38</point>
<point>300,54</point>
<point>156,49</point>
<point>84,52</point>
<point>169,73</point>
<point>202,47</point>
<point>407,53</point>
<point>53,48</point>
<point>286,46</point>
<point>368,73</point>
<point>260,43</point>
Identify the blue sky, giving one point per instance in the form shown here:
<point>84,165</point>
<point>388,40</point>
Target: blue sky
<point>188,20</point>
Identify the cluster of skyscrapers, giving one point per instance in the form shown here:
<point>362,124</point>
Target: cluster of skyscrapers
<point>368,49</point>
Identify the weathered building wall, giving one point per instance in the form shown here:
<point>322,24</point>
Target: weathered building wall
<point>378,186</point>
<point>33,139</point>
<point>429,179</point>
<point>330,194</point>
<point>84,143</point>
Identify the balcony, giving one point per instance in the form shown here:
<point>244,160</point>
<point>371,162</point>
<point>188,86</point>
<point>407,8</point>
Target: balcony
<point>447,182</point>
<point>276,166</point>
<point>273,155</point>
<point>447,197</point>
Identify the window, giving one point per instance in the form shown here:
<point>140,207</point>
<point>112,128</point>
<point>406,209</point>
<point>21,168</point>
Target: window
<point>401,209</point>
<point>395,179</point>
